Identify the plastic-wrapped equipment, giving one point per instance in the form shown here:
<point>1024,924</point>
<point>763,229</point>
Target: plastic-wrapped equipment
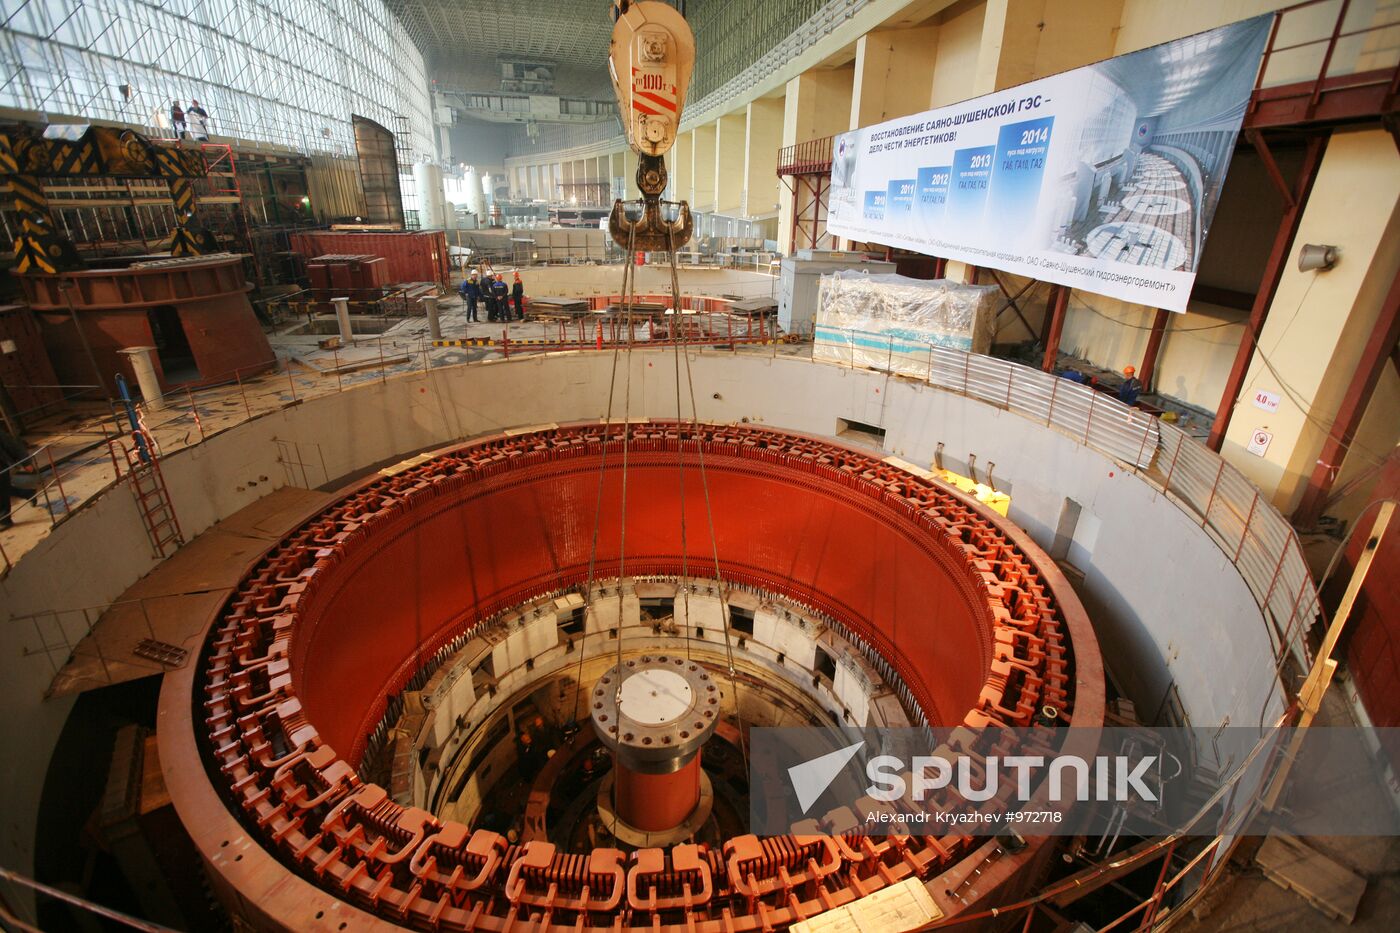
<point>892,321</point>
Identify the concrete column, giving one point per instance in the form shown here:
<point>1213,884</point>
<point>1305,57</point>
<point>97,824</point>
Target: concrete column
<point>702,196</point>
<point>731,136</point>
<point>430,307</point>
<point>617,170</point>
<point>566,180</point>
<point>817,103</point>
<point>1021,43</point>
<point>1320,321</point>
<point>629,174</point>
<point>763,125</point>
<point>682,159</point>
<point>893,74</point>
<point>342,318</point>
<point>143,364</point>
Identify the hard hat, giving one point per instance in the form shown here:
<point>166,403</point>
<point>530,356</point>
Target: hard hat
<point>1128,370</point>
<point>525,738</point>
<point>517,276</point>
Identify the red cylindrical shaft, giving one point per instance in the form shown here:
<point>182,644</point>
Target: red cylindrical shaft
<point>657,802</point>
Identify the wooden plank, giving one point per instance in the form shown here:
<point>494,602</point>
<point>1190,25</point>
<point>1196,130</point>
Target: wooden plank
<point>1333,889</point>
<point>903,906</point>
<point>173,602</point>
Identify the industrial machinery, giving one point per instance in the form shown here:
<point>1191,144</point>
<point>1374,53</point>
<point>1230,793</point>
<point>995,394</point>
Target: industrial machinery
<point>27,156</point>
<point>396,717</point>
<point>480,691</point>
<point>652,54</point>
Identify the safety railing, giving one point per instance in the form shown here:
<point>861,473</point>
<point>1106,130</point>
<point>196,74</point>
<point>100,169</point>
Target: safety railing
<point>1327,47</point>
<point>307,302</point>
<point>812,157</point>
<point>1249,531</point>
<point>17,883</point>
<point>63,636</point>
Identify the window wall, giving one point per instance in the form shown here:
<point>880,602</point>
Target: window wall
<point>289,72</point>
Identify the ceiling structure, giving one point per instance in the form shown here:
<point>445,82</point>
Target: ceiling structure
<point>475,33</point>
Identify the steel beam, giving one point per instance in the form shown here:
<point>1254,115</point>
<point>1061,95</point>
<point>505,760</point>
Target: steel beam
<point>1148,369</point>
<point>1055,314</point>
<point>1268,287</point>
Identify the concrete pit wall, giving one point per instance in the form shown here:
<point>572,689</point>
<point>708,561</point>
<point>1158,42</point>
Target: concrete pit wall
<point>1175,619</point>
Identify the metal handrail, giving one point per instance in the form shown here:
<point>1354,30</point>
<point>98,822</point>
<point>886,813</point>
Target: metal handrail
<point>806,158</point>
<point>1249,531</point>
<point>1337,34</point>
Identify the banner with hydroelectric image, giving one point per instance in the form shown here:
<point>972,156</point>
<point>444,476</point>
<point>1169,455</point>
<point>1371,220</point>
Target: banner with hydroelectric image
<point>1104,178</point>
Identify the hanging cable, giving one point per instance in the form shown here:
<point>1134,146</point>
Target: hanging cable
<point>627,273</point>
<point>710,520</point>
<point>628,299</point>
<point>676,331</point>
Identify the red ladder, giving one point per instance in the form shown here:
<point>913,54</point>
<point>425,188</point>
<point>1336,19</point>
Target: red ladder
<point>221,173</point>
<point>152,497</point>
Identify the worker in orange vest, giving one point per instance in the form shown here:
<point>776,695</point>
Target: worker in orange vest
<point>517,295</point>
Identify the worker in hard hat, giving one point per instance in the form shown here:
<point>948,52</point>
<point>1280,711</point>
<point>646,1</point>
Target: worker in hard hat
<point>1131,388</point>
<point>500,291</point>
<point>470,291</point>
<point>517,295</point>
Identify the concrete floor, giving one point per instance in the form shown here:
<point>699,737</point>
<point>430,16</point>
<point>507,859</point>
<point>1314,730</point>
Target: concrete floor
<point>1244,899</point>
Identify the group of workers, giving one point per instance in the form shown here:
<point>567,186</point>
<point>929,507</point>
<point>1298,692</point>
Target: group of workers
<point>498,296</point>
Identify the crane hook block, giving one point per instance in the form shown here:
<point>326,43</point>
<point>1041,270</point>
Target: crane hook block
<point>650,60</point>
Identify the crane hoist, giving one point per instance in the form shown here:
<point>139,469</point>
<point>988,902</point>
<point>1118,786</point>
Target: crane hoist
<point>650,60</point>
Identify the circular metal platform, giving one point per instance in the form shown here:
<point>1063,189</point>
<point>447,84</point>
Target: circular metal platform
<point>656,712</point>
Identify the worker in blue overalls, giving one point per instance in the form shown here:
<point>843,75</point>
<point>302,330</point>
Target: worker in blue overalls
<point>500,292</point>
<point>470,292</point>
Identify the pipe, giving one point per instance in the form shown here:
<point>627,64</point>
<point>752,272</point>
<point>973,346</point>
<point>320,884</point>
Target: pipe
<point>342,317</point>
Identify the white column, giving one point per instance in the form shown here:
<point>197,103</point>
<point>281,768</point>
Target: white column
<point>145,368</point>
<point>430,307</point>
<point>342,317</point>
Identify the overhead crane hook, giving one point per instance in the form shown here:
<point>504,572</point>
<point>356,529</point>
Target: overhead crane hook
<point>650,60</point>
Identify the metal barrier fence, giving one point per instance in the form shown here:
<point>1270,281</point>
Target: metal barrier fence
<point>1251,533</point>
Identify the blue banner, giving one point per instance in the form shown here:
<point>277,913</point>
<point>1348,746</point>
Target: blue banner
<point>1104,178</point>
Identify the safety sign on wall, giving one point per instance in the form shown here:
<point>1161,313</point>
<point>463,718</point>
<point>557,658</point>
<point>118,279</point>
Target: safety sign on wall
<point>1104,178</point>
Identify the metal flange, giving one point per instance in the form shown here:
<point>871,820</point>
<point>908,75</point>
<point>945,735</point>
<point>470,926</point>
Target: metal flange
<point>655,712</point>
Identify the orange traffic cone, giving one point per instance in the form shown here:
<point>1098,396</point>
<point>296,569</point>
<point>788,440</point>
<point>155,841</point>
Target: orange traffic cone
<point>600,335</point>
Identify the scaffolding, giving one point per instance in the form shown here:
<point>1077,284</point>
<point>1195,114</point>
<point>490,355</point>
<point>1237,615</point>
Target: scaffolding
<point>805,170</point>
<point>403,155</point>
<point>288,73</point>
